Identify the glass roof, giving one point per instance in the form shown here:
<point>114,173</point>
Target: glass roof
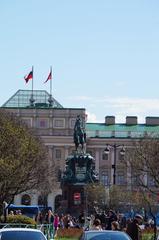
<point>21,99</point>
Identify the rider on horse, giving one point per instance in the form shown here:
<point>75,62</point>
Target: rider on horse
<point>79,133</point>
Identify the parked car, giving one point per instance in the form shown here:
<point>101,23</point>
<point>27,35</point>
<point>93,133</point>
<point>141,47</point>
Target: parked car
<point>21,234</point>
<point>104,235</point>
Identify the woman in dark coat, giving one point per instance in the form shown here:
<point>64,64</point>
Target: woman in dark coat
<point>133,229</point>
<point>111,217</point>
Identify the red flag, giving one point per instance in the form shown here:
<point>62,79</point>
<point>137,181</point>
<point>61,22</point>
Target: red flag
<point>49,76</point>
<point>29,76</point>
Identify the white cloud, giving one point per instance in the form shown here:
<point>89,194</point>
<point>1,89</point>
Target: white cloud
<point>120,107</point>
<point>133,105</point>
<point>91,117</point>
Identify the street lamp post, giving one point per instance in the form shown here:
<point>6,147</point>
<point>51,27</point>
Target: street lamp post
<point>122,152</point>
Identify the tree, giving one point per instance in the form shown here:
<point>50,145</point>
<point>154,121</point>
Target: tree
<point>142,160</point>
<point>95,197</point>
<point>117,196</point>
<point>23,159</point>
<point>102,198</point>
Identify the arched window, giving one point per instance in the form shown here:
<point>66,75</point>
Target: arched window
<point>42,200</point>
<point>58,199</point>
<point>26,200</point>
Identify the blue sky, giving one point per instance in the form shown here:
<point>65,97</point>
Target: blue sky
<point>104,54</point>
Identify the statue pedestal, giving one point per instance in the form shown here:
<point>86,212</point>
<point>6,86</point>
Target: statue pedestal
<point>79,172</point>
<point>75,198</point>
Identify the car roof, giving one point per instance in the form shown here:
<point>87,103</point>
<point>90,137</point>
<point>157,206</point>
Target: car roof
<point>19,229</point>
<point>108,231</point>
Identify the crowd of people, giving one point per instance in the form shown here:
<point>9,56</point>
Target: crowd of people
<point>109,220</point>
<point>103,221</point>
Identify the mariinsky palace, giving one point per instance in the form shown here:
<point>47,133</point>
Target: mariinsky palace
<point>55,125</point>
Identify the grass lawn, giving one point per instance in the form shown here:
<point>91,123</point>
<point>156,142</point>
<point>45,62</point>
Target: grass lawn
<point>147,236</point>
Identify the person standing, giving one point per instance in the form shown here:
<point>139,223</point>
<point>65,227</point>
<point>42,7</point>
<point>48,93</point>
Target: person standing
<point>133,229</point>
<point>81,219</point>
<point>56,222</point>
<point>111,217</point>
<point>97,225</point>
<point>50,217</point>
<point>103,219</point>
<point>115,226</point>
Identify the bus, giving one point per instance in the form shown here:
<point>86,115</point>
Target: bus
<point>31,211</point>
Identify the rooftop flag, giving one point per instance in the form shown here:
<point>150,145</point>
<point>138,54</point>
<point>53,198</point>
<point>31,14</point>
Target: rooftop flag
<point>49,76</point>
<point>29,76</point>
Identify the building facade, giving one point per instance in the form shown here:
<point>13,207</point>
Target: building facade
<point>55,125</point>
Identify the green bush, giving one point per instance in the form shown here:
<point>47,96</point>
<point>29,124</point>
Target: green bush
<point>19,219</point>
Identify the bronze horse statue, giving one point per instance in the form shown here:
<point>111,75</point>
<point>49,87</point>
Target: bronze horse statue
<point>79,134</point>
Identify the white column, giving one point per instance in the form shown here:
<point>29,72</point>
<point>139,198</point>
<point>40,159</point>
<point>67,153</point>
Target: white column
<point>111,163</point>
<point>51,198</point>
<point>51,201</point>
<point>66,152</point>
<point>97,160</point>
<point>51,155</point>
<point>34,199</point>
<point>128,176</point>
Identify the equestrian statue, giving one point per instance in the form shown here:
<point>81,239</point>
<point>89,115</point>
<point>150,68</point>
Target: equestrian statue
<point>79,134</point>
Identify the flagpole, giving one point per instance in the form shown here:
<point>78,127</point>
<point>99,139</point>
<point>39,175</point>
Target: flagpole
<point>32,97</point>
<point>32,79</point>
<point>51,81</point>
<point>50,100</point>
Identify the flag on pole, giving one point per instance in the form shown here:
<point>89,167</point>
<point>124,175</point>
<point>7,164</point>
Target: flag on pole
<point>29,76</point>
<point>49,76</point>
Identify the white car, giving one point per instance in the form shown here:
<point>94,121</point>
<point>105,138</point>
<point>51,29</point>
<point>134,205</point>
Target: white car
<point>21,234</point>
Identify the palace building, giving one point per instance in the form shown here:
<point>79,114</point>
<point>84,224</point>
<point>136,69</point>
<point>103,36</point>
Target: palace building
<point>55,125</point>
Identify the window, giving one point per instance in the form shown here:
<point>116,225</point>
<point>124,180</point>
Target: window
<point>43,123</point>
<point>72,123</point>
<point>97,133</point>
<point>121,134</point>
<point>151,181</point>
<point>136,134</point>
<point>105,133</point>
<point>59,123</point>
<point>28,121</point>
<point>134,181</point>
<point>91,133</point>
<point>42,200</point>
<point>105,178</point>
<point>58,200</point>
<point>120,156</point>
<point>26,200</point>
<point>105,156</point>
<point>120,178</point>
<point>58,153</point>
